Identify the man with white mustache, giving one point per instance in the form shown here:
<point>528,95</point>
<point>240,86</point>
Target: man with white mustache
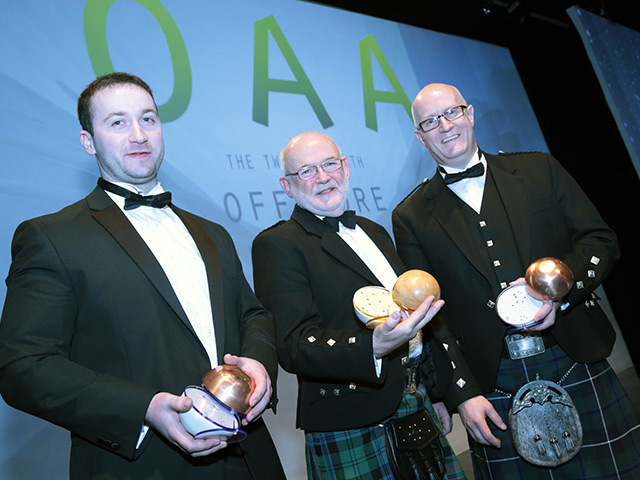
<point>352,380</point>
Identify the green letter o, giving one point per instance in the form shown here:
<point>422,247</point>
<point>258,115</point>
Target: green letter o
<point>95,30</point>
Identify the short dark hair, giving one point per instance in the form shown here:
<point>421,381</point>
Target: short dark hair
<point>100,83</point>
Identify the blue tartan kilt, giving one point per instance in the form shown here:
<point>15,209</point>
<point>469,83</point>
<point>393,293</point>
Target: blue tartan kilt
<point>610,424</point>
<point>362,453</point>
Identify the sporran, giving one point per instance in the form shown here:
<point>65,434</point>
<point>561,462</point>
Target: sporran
<point>415,451</point>
<point>545,425</point>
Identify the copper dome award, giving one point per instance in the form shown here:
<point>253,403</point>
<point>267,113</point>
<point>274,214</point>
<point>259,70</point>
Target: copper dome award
<point>220,403</point>
<point>546,280</point>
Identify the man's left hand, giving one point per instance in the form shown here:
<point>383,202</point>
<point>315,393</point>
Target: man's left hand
<point>261,395</point>
<point>546,316</point>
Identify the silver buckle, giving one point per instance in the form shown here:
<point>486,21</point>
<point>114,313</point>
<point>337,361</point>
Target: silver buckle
<point>523,346</point>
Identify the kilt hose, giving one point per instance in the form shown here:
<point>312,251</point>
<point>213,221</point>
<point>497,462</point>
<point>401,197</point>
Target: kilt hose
<point>362,453</point>
<point>610,424</point>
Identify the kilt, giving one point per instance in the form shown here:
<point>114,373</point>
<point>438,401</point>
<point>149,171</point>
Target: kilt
<point>610,424</point>
<point>362,453</point>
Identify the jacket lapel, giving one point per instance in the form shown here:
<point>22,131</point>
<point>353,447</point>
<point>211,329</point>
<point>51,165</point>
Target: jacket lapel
<point>332,243</point>
<point>211,258</point>
<point>447,210</point>
<point>109,215</point>
<point>513,195</point>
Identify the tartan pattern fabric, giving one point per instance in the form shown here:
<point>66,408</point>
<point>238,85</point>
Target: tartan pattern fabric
<point>349,454</point>
<point>610,424</point>
<point>362,453</point>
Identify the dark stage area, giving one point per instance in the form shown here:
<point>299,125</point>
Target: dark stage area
<point>568,102</point>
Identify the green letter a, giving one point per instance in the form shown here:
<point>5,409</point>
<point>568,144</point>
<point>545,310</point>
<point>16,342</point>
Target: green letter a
<point>372,96</point>
<point>262,84</point>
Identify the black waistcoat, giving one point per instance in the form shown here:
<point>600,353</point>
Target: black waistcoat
<point>493,236</point>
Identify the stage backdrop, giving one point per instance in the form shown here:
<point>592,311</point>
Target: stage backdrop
<point>234,81</point>
<point>614,52</point>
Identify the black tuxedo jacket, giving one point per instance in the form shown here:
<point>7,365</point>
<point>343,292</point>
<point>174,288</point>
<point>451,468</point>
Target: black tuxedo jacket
<point>91,330</point>
<point>550,216</point>
<point>306,275</point>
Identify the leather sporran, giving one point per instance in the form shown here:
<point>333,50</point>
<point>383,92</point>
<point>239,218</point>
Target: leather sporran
<point>545,425</point>
<point>415,452</point>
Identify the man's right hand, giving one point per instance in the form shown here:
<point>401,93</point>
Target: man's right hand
<point>399,328</point>
<point>474,413</point>
<point>163,416</point>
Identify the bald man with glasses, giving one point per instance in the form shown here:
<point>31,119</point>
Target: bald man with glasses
<point>476,226</point>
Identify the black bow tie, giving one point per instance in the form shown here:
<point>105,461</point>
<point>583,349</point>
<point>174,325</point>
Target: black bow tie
<point>133,200</point>
<point>476,171</point>
<point>348,219</point>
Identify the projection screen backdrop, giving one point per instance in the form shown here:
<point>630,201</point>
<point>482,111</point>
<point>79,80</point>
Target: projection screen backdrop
<point>234,81</point>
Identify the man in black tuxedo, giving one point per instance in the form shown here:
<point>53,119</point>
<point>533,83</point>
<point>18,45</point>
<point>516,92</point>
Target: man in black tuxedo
<point>113,307</point>
<point>351,380</point>
<point>476,226</point>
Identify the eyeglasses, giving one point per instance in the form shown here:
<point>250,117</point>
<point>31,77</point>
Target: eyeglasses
<point>431,123</point>
<point>310,171</point>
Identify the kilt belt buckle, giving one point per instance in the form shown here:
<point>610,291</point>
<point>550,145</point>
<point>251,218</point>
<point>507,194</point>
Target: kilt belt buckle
<point>523,346</point>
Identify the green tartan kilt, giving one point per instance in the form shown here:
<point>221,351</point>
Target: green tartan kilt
<point>362,453</point>
<point>610,424</point>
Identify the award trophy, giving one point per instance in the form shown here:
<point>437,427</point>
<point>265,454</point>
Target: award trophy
<point>373,305</point>
<point>546,280</point>
<point>220,403</point>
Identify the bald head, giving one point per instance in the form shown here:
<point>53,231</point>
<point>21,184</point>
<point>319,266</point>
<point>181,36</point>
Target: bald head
<point>431,94</point>
<point>301,145</point>
<point>452,143</point>
<point>323,192</point>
